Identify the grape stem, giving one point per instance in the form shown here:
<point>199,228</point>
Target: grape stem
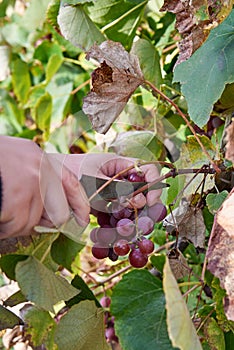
<point>165,97</point>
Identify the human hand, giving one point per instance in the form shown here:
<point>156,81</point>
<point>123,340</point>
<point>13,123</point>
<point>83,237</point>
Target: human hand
<point>37,189</point>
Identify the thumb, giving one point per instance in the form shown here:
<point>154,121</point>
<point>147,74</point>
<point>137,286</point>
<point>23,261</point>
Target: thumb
<point>76,197</point>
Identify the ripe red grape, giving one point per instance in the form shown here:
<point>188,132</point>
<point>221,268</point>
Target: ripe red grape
<point>146,246</point>
<point>157,212</point>
<point>145,225</point>
<point>110,334</point>
<point>137,259</point>
<point>105,301</point>
<point>136,177</point>
<point>103,218</point>
<point>125,227</point>
<point>121,247</point>
<point>100,252</point>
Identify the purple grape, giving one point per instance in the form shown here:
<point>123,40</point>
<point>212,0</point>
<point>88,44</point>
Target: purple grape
<point>112,255</point>
<point>100,252</point>
<point>103,218</point>
<point>145,225</point>
<point>136,177</point>
<point>119,212</point>
<point>125,227</point>
<point>93,235</point>
<point>105,301</point>
<point>157,212</point>
<point>106,235</point>
<point>137,259</point>
<point>110,334</point>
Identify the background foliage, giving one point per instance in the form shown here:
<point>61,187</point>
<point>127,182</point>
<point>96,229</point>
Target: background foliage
<point>44,77</point>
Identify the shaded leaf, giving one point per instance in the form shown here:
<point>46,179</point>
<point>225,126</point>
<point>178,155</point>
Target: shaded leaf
<point>149,61</point>
<point>138,306</point>
<point>137,144</point>
<point>215,200</point>
<point>8,319</point>
<point>113,83</point>
<point>204,75</point>
<point>15,299</point>
<point>85,292</point>
<point>194,20</point>
<point>40,327</point>
<point>180,327</point>
<point>41,286</point>
<point>178,263</point>
<point>89,328</point>
<point>190,223</point>
<point>65,250</point>
<point>214,335</point>
<point>8,264</point>
<point>77,27</point>
<point>220,251</point>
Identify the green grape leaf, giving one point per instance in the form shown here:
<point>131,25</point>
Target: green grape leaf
<point>34,15</point>
<point>204,75</point>
<point>138,305</point>
<point>137,144</point>
<point>40,328</point>
<point>77,27</point>
<point>52,66</point>
<point>88,333</point>
<point>118,20</point>
<point>65,250</point>
<point>41,286</point>
<point>8,319</point>
<point>214,335</point>
<point>10,110</point>
<point>215,200</point>
<point>42,112</point>
<point>85,292</point>
<point>21,80</point>
<point>180,327</point>
<point>8,264</point>
<point>15,299</point>
<point>149,61</point>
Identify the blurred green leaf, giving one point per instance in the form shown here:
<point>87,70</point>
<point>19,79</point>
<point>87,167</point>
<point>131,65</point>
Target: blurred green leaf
<point>85,292</point>
<point>180,326</point>
<point>215,200</point>
<point>158,261</point>
<point>10,111</point>
<point>21,80</point>
<point>34,15</point>
<point>64,251</point>
<point>149,61</point>
<point>15,35</point>
<point>77,27</point>
<point>4,62</point>
<point>8,319</point>
<point>40,327</point>
<point>42,112</point>
<point>89,328</point>
<point>52,66</point>
<point>214,335</point>
<point>204,75</point>
<point>138,305</point>
<point>41,286</point>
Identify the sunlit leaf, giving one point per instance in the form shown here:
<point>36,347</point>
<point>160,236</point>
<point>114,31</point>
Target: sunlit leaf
<point>42,111</point>
<point>214,335</point>
<point>41,286</point>
<point>52,66</point>
<point>4,62</point>
<point>215,200</point>
<point>34,15</point>
<point>89,328</point>
<point>180,327</point>
<point>203,80</point>
<point>138,306</point>
<point>77,27</point>
<point>21,80</point>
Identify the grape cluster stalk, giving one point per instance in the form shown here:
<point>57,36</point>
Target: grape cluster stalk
<point>124,230</point>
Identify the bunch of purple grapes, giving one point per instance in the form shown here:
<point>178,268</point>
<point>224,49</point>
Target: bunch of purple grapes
<point>109,321</point>
<point>124,231</point>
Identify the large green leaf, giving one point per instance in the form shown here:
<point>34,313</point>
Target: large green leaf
<point>118,19</point>
<point>77,27</point>
<point>138,306</point>
<point>204,75</point>
<point>82,328</point>
<point>40,327</point>
<point>8,263</point>
<point>34,16</point>
<point>149,61</point>
<point>42,112</point>
<point>180,326</point>
<point>8,319</point>
<point>41,286</point>
<point>85,292</point>
<point>21,80</point>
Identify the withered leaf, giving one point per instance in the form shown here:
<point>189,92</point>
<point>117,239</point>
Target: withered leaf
<point>194,20</point>
<point>113,83</point>
<point>229,154</point>
<point>220,252</point>
<point>189,221</point>
<point>178,263</point>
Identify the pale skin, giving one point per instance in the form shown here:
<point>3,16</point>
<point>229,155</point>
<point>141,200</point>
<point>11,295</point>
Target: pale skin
<point>42,189</point>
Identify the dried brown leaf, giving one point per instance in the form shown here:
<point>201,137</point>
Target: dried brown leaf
<point>194,20</point>
<point>220,252</point>
<point>112,83</point>
<point>11,245</point>
<point>178,263</point>
<point>229,154</point>
<point>189,221</point>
